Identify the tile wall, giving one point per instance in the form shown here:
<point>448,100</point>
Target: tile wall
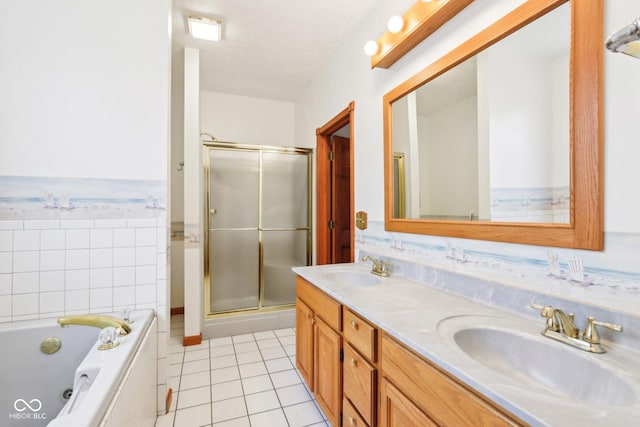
<point>50,268</point>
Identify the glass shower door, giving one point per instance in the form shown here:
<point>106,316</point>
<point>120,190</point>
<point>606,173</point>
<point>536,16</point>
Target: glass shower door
<point>285,224</point>
<point>234,187</point>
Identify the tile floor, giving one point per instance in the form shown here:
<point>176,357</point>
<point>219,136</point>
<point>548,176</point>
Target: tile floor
<point>243,380</point>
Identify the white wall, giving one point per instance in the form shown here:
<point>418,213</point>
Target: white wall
<point>79,81</point>
<point>85,90</point>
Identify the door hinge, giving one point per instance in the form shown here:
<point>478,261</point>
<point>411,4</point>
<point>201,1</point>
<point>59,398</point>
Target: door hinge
<point>330,156</point>
<point>331,224</point>
<point>342,355</point>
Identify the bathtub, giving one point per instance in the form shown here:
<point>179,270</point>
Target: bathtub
<point>78,385</point>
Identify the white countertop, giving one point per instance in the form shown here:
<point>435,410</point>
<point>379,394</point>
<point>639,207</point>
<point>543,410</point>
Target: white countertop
<point>425,318</point>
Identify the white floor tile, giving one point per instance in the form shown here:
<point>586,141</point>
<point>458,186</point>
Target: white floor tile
<point>269,343</point>
<point>226,390</point>
<point>293,394</point>
<point>237,422</point>
<point>175,358</point>
<point>277,365</point>
<point>264,335</point>
<point>249,357</point>
<point>242,338</point>
<point>220,342</point>
<point>273,353</point>
<point>246,346</point>
<point>252,369</point>
<point>198,379</point>
<point>221,351</point>
<point>194,397</point>
<point>261,402</point>
<point>287,340</point>
<point>204,344</point>
<point>285,378</point>
<point>176,347</point>
<point>273,418</point>
<point>228,409</point>
<point>175,370</point>
<point>223,361</point>
<point>194,416</point>
<point>195,366</point>
<point>303,414</point>
<point>165,420</point>
<point>290,350</point>
<point>256,384</point>
<point>190,356</point>
<point>284,332</point>
<point>225,374</point>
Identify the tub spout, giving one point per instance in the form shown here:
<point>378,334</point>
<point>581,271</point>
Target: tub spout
<point>99,321</point>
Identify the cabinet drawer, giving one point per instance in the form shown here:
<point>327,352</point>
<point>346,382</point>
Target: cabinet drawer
<point>360,334</point>
<point>443,398</point>
<point>323,306</point>
<point>359,379</point>
<point>350,417</point>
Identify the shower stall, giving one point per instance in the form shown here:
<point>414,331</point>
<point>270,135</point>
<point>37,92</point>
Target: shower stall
<point>258,226</point>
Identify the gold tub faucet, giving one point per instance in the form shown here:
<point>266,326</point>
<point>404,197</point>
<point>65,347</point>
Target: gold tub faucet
<point>99,321</point>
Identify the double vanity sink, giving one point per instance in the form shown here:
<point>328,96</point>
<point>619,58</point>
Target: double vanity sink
<point>499,353</point>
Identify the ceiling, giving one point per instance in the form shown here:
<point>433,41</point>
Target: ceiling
<point>271,48</point>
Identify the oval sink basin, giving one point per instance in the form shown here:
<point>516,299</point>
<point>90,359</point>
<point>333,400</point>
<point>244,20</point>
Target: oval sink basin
<point>348,277</point>
<point>547,366</point>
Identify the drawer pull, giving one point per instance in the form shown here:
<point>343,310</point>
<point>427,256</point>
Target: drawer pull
<point>352,421</point>
<point>354,362</point>
<point>354,324</point>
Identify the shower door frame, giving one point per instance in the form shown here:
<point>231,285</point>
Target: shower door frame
<point>206,147</point>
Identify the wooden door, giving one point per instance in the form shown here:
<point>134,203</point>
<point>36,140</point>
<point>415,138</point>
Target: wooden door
<point>304,341</point>
<point>341,199</point>
<point>327,370</point>
<point>396,410</point>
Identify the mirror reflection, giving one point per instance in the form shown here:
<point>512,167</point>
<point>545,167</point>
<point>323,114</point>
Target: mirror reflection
<point>489,139</point>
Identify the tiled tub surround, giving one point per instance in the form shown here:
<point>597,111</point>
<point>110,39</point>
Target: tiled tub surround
<point>415,312</point>
<point>50,268</point>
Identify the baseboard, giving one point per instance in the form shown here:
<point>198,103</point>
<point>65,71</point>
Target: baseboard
<point>168,400</point>
<point>177,310</point>
<point>192,340</point>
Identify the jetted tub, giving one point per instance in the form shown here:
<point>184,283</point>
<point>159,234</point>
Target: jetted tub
<point>77,385</point>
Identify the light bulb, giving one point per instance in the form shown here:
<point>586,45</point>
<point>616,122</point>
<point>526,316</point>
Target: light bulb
<point>396,24</point>
<point>371,47</point>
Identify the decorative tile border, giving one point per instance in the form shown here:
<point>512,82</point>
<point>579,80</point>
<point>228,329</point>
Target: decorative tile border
<point>45,198</point>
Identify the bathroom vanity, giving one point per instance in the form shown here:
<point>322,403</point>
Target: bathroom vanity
<point>388,351</point>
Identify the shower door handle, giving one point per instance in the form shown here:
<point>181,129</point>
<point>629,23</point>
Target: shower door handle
<point>212,211</point>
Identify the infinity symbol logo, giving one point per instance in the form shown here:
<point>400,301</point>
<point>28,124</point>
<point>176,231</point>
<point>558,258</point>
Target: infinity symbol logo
<point>37,405</point>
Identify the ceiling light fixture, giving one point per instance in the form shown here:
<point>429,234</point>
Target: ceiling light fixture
<point>205,28</point>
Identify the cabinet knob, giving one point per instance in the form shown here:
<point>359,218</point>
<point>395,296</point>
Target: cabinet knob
<point>352,421</point>
<point>354,324</point>
<point>354,362</point>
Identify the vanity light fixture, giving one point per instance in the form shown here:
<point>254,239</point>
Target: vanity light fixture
<point>406,31</point>
<point>395,24</point>
<point>626,40</point>
<point>371,47</point>
<point>205,28</point>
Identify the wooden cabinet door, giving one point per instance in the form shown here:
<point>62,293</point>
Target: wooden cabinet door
<point>327,370</point>
<point>396,410</point>
<point>304,341</point>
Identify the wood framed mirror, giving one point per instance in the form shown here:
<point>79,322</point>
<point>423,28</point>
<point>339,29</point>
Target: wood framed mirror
<point>561,212</point>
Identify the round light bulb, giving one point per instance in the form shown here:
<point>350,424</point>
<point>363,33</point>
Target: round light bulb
<point>371,47</point>
<point>395,24</point>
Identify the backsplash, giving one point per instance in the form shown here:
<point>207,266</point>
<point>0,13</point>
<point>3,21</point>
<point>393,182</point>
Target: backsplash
<point>609,279</point>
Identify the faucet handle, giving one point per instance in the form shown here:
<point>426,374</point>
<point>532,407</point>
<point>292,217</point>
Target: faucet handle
<point>591,334</point>
<point>546,311</point>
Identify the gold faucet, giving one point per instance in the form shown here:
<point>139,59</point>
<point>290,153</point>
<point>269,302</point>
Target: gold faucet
<point>560,327</point>
<point>99,321</point>
<point>379,266</point>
